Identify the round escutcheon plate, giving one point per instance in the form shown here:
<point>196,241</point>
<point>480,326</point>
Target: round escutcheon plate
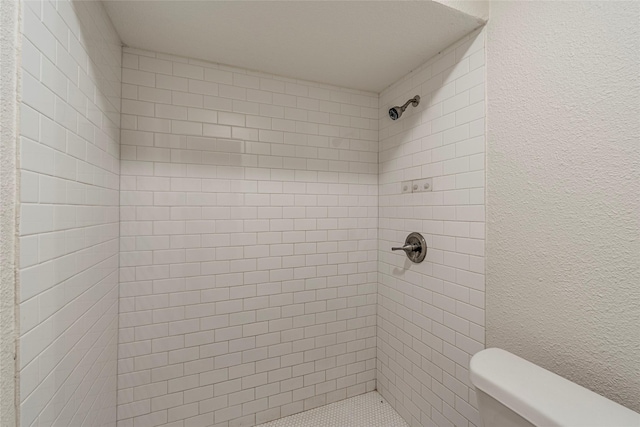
<point>420,247</point>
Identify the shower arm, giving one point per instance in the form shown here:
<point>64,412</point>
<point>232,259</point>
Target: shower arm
<point>413,101</point>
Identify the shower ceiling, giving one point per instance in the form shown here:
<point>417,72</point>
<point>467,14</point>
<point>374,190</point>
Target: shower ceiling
<point>355,44</point>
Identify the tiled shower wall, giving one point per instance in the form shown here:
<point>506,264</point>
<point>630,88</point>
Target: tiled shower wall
<point>69,167</point>
<point>249,229</point>
<point>431,315</point>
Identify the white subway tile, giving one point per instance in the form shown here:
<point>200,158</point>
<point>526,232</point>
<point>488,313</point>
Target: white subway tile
<point>453,155</point>
<point>270,235</point>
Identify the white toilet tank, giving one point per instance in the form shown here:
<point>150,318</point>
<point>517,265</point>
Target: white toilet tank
<point>513,392</point>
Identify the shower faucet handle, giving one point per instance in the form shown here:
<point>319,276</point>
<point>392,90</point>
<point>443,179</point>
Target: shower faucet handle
<point>415,247</point>
<point>406,248</point>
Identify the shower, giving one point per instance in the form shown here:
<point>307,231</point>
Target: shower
<point>204,244</point>
<point>397,111</point>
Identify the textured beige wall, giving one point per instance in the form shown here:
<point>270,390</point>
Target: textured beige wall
<point>9,20</point>
<point>563,248</point>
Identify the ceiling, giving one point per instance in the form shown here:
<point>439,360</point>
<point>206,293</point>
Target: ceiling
<point>365,45</point>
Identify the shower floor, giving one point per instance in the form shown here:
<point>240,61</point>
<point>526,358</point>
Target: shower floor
<point>365,410</point>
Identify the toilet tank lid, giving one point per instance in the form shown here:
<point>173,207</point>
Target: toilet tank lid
<point>542,397</point>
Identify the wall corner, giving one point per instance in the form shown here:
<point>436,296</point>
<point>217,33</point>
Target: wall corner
<point>9,119</point>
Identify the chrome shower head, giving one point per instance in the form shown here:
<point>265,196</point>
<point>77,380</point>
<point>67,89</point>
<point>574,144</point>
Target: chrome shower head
<point>396,112</point>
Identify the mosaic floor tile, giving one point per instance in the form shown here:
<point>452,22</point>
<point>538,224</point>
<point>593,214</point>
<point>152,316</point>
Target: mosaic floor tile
<point>365,410</point>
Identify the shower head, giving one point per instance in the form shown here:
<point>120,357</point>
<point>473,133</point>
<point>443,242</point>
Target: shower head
<point>397,111</point>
